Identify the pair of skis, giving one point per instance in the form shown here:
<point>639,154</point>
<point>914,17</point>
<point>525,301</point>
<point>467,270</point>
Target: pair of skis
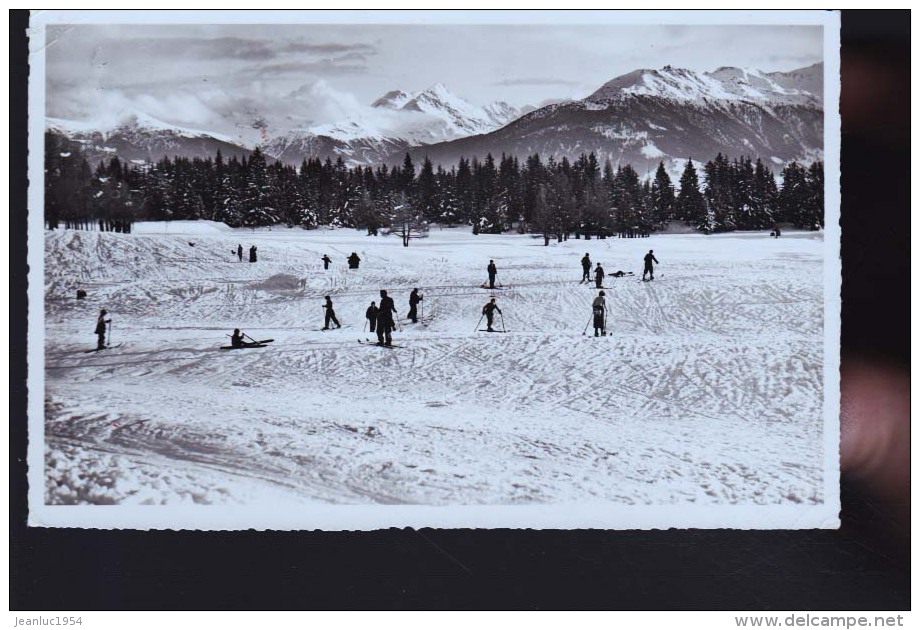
<point>110,347</point>
<point>369,342</point>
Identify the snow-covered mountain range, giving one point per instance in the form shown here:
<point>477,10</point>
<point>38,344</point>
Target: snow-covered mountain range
<point>138,137</point>
<point>669,114</point>
<point>397,121</point>
<point>641,117</point>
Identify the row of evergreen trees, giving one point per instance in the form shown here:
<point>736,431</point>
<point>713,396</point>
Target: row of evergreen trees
<point>554,198</point>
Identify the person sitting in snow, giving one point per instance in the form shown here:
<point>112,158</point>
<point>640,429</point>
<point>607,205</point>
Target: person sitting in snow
<point>353,261</point>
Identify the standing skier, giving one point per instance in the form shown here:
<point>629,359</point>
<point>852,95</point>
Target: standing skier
<point>599,309</point>
<point>252,254</point>
<point>649,269</point>
<point>599,276</point>
<point>326,260</point>
<point>385,319</point>
<point>330,314</point>
<point>586,268</point>
<point>101,329</point>
<point>414,299</point>
<point>239,251</point>
<point>489,311</point>
<point>492,271</point>
<point>371,315</point>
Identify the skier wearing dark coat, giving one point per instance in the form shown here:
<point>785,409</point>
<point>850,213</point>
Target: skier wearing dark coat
<point>586,268</point>
<point>599,276</point>
<point>414,299</point>
<point>353,261</point>
<point>252,254</point>
<point>385,319</point>
<point>489,311</point>
<point>371,315</point>
<point>326,260</point>
<point>101,329</point>
<point>330,314</point>
<point>236,339</point>
<point>492,272</point>
<point>239,252</point>
<point>649,269</point>
<point>599,309</point>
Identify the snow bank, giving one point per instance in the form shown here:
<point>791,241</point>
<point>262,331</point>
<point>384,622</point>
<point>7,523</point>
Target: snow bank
<point>181,227</point>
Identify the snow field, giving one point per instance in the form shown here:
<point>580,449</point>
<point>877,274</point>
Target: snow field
<point>708,389</point>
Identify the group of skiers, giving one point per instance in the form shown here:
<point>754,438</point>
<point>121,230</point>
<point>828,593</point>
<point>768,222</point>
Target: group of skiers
<point>600,274</point>
<point>380,317</point>
<point>252,253</point>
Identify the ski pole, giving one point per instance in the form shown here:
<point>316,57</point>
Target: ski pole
<point>365,325</point>
<point>585,331</point>
<point>110,332</point>
<point>479,322</point>
<point>500,314</point>
<point>250,338</point>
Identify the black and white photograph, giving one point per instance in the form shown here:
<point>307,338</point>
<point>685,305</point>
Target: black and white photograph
<point>348,270</point>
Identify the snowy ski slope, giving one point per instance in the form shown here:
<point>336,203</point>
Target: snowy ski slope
<point>708,389</point>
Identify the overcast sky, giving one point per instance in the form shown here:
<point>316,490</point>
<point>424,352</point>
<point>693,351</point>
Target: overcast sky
<point>225,76</point>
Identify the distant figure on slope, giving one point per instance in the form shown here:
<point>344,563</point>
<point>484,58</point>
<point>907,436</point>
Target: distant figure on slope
<point>599,309</point>
<point>353,261</point>
<point>489,311</point>
<point>239,251</point>
<point>371,315</point>
<point>385,319</point>
<point>236,339</point>
<point>330,314</point>
<point>252,254</point>
<point>492,272</point>
<point>586,268</point>
<point>775,233</point>
<point>101,329</point>
<point>599,276</point>
<point>649,268</point>
<point>414,299</point>
<point>326,260</point>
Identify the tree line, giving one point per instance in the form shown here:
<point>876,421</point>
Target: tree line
<point>553,198</point>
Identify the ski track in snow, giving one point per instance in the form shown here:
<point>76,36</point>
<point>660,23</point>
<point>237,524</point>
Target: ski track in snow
<point>708,389</point>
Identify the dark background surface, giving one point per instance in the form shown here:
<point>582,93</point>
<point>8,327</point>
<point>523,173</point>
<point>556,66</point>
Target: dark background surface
<point>862,566</point>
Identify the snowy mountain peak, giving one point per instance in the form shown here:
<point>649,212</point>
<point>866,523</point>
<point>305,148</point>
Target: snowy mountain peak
<point>394,99</point>
<point>723,84</point>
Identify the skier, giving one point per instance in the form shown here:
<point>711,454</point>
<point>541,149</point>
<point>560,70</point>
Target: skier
<point>492,271</point>
<point>489,311</point>
<point>586,268</point>
<point>101,328</point>
<point>326,260</point>
<point>649,258</point>
<point>414,299</point>
<point>599,308</point>
<point>371,315</point>
<point>239,251</point>
<point>252,254</point>
<point>385,319</point>
<point>353,261</point>
<point>330,314</point>
<point>599,276</point>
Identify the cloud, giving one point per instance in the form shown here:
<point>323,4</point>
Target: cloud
<point>538,81</point>
<point>363,49</point>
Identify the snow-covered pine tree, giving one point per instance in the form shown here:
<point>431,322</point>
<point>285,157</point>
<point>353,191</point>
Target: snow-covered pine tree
<point>794,196</point>
<point>691,207</point>
<point>662,196</point>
